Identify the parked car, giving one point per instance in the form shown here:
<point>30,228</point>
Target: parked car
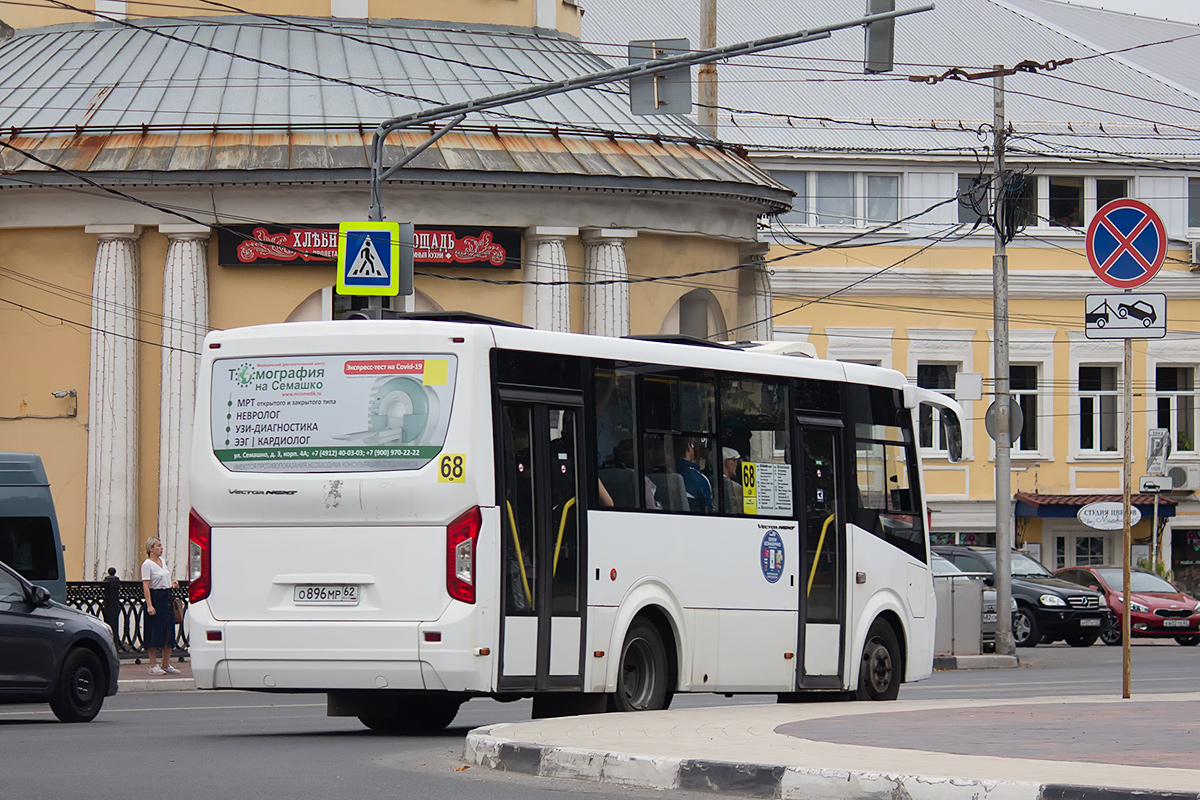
<point>1138,310</point>
<point>988,622</point>
<point>1048,608</point>
<point>1157,609</point>
<point>52,653</point>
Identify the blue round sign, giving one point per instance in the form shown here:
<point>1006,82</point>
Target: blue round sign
<point>772,557</point>
<point>1126,243</point>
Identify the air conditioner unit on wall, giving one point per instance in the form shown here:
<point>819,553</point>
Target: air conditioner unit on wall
<point>1185,478</point>
<point>1195,265</point>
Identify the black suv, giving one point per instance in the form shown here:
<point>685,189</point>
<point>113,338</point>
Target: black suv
<point>1048,608</point>
<point>52,653</point>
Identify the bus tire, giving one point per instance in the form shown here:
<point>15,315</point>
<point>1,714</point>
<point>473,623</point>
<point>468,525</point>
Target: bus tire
<point>880,672</point>
<point>642,671</point>
<point>415,715</point>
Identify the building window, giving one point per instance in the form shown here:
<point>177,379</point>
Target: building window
<point>1098,409</point>
<point>798,182</point>
<point>1021,201</point>
<point>974,198</point>
<point>1023,383</point>
<point>939,377</point>
<point>842,199</point>
<point>1089,550</point>
<point>835,198</point>
<point>1176,391</point>
<point>1066,201</point>
<point>883,199</point>
<point>1109,189</point>
<point>1194,202</point>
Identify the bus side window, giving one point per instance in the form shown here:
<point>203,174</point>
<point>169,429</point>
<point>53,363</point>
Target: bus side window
<point>677,429</point>
<point>616,455</point>
<point>754,416</point>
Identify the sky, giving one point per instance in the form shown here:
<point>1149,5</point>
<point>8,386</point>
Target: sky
<point>1181,10</point>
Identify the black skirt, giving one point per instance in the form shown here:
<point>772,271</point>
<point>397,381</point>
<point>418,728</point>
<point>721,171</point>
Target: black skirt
<point>159,628</point>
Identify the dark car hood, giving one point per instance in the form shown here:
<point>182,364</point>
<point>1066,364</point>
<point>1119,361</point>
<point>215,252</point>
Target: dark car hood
<point>1057,584</point>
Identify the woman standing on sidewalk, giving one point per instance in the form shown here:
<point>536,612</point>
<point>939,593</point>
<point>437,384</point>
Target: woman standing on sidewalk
<point>159,631</point>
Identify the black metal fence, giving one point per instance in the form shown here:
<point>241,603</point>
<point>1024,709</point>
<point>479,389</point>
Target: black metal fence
<point>122,605</point>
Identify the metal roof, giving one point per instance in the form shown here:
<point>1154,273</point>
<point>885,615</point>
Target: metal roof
<point>813,98</point>
<point>247,93</point>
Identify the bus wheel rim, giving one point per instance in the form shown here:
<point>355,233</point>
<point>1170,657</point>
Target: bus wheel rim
<point>879,666</point>
<point>637,674</point>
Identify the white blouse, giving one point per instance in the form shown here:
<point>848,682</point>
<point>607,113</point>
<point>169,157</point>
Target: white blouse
<point>159,577</point>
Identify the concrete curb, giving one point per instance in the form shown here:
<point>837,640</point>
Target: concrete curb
<point>138,685</point>
<point>982,661</point>
<point>487,747</point>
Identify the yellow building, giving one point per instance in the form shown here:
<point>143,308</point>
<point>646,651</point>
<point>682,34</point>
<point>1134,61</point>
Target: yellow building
<point>884,258</point>
<point>164,176</point>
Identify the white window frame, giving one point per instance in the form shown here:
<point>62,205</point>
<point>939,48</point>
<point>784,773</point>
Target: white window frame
<point>1099,353</point>
<point>944,346</point>
<point>1173,397</point>
<point>1032,347</point>
<point>1173,352</point>
<point>806,206</point>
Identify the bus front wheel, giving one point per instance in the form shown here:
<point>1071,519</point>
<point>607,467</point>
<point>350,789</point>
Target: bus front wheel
<point>642,676</point>
<point>879,674</point>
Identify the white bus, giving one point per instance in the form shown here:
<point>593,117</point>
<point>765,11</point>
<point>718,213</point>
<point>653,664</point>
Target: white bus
<point>408,513</point>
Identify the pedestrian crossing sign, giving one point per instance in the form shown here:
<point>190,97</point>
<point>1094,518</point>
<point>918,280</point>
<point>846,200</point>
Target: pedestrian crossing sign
<point>369,258</point>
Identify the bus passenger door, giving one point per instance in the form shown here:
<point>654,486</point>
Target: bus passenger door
<point>823,554</point>
<point>541,635</point>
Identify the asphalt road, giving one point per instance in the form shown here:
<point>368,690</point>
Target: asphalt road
<point>233,744</point>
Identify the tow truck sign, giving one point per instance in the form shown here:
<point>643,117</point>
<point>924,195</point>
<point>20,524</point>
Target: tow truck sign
<point>1125,316</point>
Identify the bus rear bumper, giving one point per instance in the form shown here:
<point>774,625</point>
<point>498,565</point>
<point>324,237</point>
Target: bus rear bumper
<point>318,656</point>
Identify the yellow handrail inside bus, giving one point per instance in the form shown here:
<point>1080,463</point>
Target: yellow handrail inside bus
<point>562,525</point>
<point>512,522</point>
<point>820,543</point>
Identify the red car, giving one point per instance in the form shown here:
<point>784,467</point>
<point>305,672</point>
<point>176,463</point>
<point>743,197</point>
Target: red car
<point>1158,609</point>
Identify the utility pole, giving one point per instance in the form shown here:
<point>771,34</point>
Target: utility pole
<point>1004,637</point>
<point>1127,535</point>
<point>706,79</point>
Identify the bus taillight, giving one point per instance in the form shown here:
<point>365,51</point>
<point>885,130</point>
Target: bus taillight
<point>461,535</point>
<point>199,557</point>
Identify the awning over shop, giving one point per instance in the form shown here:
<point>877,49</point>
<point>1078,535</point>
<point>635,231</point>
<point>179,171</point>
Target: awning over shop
<point>1031,504</point>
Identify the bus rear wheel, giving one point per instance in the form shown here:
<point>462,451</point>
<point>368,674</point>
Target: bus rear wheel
<point>879,674</point>
<point>414,715</point>
<point>642,678</point>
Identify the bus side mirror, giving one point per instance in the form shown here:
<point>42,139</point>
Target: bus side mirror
<point>952,430</point>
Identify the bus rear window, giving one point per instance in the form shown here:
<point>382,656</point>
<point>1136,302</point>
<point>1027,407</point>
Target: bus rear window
<point>27,545</point>
<point>344,413</point>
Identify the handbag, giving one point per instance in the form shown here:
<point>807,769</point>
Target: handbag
<point>179,609</point>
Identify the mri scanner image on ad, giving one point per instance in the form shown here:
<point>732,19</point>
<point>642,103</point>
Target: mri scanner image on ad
<point>331,413</point>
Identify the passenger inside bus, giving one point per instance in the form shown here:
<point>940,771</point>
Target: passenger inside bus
<point>699,490</point>
<point>731,479</point>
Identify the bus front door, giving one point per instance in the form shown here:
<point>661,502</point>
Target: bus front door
<point>822,548</point>
<point>541,635</point>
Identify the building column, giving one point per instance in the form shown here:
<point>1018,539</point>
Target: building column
<point>755,305</point>
<point>185,321</point>
<point>606,305</point>
<point>547,308</point>
<point>110,528</point>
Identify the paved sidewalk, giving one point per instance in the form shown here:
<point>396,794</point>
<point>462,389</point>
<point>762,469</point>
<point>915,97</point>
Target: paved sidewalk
<point>135,678</point>
<point>1053,748</point>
